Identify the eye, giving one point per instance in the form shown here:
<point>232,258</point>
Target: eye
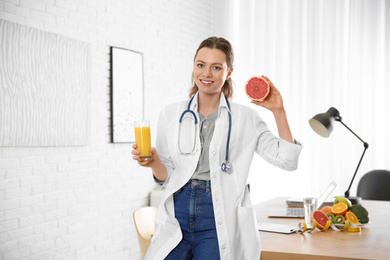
<point>216,68</point>
<point>200,65</point>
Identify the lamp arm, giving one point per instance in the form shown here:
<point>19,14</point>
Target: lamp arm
<point>361,158</point>
<point>339,119</point>
<point>357,168</point>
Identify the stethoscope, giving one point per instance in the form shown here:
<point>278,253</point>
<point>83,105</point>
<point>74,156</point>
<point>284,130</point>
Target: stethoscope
<point>224,166</point>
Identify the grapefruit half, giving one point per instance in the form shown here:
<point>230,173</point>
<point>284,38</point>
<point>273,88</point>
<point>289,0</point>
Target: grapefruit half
<point>257,88</point>
<point>321,218</point>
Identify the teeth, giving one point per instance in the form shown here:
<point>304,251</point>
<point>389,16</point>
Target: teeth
<point>207,82</point>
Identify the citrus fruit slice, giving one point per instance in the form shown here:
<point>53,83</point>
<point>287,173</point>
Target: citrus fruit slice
<point>257,88</point>
<point>352,218</point>
<point>339,208</point>
<point>327,209</point>
<point>321,219</point>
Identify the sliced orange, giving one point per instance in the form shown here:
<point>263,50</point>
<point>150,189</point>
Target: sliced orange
<point>327,209</point>
<point>352,218</point>
<point>339,208</point>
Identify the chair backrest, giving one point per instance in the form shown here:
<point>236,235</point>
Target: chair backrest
<point>374,185</point>
<point>144,224</point>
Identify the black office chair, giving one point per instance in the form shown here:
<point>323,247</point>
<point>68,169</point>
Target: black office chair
<point>374,185</point>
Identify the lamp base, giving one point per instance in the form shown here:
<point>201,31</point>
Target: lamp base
<point>355,200</point>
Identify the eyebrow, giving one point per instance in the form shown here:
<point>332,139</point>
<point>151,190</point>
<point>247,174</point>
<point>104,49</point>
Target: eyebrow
<point>217,63</point>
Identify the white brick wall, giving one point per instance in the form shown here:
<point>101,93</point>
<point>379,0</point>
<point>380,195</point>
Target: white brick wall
<point>77,202</point>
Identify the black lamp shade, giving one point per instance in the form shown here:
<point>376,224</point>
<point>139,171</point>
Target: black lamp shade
<point>322,124</point>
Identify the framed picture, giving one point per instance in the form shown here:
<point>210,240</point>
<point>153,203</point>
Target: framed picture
<point>126,93</point>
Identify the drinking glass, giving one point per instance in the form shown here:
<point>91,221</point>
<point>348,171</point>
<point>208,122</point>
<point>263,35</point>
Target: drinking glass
<point>142,139</point>
<point>309,205</point>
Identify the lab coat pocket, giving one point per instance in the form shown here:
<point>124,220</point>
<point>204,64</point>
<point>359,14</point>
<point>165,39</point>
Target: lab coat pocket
<point>248,235</point>
<point>246,217</point>
<point>246,223</point>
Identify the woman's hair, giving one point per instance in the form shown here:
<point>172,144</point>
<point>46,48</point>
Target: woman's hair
<point>225,46</point>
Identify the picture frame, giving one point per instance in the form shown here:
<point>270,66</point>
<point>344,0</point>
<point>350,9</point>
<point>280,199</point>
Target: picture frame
<point>127,93</point>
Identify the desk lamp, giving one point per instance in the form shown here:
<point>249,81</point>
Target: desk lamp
<point>322,124</point>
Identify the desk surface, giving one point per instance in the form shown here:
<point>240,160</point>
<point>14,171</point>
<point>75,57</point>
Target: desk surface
<point>373,242</point>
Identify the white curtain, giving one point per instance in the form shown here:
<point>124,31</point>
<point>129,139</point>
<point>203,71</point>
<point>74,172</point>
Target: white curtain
<point>319,54</point>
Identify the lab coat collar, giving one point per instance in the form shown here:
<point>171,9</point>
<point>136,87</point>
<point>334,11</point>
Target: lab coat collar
<point>194,104</point>
<point>222,103</point>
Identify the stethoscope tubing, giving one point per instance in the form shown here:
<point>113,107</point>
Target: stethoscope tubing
<point>226,165</point>
<point>188,110</point>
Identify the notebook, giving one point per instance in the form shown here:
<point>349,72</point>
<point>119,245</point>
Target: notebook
<point>298,212</point>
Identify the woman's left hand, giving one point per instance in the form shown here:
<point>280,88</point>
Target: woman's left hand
<point>273,101</point>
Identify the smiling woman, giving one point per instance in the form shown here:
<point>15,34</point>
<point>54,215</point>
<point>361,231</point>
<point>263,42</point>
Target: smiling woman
<point>210,74</point>
<point>224,58</point>
<point>196,218</point>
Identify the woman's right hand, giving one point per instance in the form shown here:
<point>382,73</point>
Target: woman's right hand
<point>136,157</point>
<point>158,168</point>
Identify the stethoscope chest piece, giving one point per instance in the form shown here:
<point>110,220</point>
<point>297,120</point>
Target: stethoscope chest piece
<point>225,167</point>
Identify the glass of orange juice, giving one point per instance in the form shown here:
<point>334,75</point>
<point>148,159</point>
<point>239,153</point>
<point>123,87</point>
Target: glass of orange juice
<point>142,139</point>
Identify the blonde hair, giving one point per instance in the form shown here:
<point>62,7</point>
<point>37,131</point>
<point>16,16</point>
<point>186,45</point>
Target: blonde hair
<point>225,46</point>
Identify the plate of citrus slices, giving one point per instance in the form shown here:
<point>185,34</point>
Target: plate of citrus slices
<point>343,210</point>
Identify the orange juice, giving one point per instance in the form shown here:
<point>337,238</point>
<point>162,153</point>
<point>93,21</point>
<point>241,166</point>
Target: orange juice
<point>142,139</point>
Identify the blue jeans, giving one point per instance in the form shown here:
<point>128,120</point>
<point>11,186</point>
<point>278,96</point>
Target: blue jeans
<point>194,211</point>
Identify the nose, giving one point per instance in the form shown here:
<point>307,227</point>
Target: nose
<point>207,72</point>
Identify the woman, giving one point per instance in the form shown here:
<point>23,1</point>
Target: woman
<point>203,158</point>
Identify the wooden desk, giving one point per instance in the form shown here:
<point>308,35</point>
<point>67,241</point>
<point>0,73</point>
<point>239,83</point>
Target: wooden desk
<point>373,242</point>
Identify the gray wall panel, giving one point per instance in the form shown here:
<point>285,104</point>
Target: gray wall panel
<point>44,88</point>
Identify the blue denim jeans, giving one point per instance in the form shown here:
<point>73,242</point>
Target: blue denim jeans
<point>194,211</point>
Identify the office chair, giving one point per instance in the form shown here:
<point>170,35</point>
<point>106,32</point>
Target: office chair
<point>144,224</point>
<point>374,185</point>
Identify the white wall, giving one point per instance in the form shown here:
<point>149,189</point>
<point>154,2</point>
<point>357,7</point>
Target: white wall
<point>77,202</point>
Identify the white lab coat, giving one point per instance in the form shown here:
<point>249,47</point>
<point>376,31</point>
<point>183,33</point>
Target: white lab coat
<point>235,219</point>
